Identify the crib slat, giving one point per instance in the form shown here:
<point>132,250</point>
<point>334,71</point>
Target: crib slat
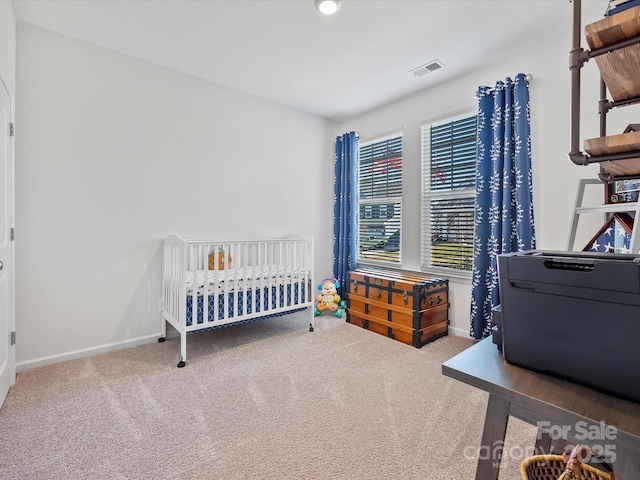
<point>287,290</point>
<point>245,280</point>
<point>194,272</point>
<point>216,286</point>
<point>203,259</point>
<point>276,259</point>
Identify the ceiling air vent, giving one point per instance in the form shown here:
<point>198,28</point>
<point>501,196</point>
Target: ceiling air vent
<point>427,68</point>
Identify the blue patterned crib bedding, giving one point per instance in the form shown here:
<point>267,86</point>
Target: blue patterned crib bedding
<point>248,302</point>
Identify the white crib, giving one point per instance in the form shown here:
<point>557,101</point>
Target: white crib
<point>208,284</point>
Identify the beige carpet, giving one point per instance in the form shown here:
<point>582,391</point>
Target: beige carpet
<point>267,400</point>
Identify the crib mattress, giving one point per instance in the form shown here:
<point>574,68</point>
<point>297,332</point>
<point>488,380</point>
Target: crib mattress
<point>239,279</point>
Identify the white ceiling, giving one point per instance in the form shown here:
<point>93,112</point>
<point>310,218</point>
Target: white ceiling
<point>285,51</point>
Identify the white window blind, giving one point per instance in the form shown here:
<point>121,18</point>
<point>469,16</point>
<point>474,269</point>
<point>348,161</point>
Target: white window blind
<point>448,193</point>
<point>380,200</point>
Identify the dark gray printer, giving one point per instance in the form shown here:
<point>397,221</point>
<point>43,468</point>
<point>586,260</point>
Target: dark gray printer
<point>575,315</point>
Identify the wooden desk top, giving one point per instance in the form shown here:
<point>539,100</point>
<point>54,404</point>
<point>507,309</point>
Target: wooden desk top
<point>545,396</point>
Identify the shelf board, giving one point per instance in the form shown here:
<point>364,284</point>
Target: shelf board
<point>623,142</point>
<point>619,69</point>
<point>621,169</point>
<point>609,208</point>
<point>612,144</point>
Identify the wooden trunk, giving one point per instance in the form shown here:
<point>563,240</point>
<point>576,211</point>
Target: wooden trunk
<point>409,307</point>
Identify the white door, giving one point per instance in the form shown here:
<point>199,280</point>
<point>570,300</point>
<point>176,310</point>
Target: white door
<point>7,351</point>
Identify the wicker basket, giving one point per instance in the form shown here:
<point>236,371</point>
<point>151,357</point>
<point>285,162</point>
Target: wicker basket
<point>553,467</point>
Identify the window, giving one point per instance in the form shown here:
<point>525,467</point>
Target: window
<point>380,200</point>
<point>448,193</point>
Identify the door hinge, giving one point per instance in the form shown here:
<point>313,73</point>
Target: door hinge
<point>11,129</point>
<point>13,338</point>
<point>13,236</point>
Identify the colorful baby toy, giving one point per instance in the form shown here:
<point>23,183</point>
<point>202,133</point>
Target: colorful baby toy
<point>329,299</point>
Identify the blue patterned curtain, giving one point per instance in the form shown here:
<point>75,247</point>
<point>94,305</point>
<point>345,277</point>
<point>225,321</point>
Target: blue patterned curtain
<point>504,206</point>
<point>344,208</point>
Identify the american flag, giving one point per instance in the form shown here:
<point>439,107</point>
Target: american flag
<point>614,237</point>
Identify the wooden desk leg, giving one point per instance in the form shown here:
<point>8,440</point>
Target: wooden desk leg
<point>543,442</point>
<point>495,427</point>
<point>627,464</point>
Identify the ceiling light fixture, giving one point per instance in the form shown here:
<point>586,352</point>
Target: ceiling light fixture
<point>328,7</point>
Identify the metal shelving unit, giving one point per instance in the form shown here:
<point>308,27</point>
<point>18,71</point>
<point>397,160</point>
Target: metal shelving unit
<point>615,46</point>
<point>580,209</point>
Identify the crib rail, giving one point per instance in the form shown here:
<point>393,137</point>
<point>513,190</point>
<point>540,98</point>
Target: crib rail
<point>208,284</point>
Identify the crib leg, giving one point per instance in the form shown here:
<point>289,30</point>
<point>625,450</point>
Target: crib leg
<point>163,337</point>
<point>183,350</point>
<point>313,316</point>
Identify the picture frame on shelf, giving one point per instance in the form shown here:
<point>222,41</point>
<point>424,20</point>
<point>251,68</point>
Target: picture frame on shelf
<point>622,191</point>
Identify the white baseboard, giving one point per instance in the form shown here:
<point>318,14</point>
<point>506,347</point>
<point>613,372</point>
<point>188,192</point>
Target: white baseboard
<point>458,332</point>
<point>87,352</point>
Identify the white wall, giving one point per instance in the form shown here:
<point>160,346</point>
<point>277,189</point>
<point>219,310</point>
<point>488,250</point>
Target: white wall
<point>112,155</point>
<point>555,176</point>
<point>8,47</point>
